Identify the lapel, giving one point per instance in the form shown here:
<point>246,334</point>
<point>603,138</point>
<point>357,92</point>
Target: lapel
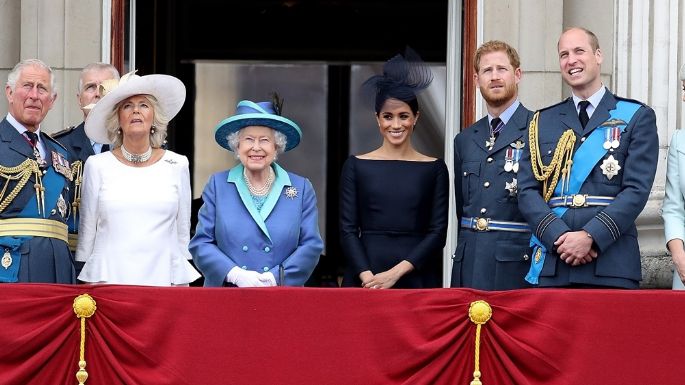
<point>569,116</point>
<point>49,147</point>
<point>235,176</point>
<point>601,113</point>
<point>14,139</point>
<point>513,129</point>
<point>481,133</point>
<point>282,180</point>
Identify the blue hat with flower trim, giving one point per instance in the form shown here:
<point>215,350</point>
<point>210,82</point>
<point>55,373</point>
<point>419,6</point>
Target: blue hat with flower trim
<point>265,114</point>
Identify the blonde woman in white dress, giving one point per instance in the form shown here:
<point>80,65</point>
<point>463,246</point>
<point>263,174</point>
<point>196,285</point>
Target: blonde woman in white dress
<point>135,204</point>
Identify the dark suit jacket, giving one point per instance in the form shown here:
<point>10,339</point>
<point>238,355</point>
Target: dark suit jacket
<point>494,260</point>
<point>43,259</point>
<point>612,227</point>
<point>76,141</point>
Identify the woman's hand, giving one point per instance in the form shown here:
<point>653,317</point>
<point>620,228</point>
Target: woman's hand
<point>388,278</point>
<point>675,246</point>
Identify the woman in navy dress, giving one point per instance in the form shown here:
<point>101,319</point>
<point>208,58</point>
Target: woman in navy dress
<point>394,200</point>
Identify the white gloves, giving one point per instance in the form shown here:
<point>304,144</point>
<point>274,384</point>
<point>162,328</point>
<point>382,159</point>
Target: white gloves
<point>248,278</point>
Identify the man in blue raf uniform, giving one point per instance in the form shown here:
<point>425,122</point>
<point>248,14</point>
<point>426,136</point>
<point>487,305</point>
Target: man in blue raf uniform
<point>493,239</point>
<point>75,140</point>
<point>587,177</point>
<point>36,172</point>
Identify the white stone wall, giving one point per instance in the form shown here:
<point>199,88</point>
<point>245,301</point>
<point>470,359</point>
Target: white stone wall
<point>65,34</point>
<point>642,45</point>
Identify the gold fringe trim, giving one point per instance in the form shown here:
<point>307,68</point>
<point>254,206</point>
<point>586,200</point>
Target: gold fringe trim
<point>480,312</point>
<point>84,307</point>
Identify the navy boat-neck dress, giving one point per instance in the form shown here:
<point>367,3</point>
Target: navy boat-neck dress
<point>394,210</point>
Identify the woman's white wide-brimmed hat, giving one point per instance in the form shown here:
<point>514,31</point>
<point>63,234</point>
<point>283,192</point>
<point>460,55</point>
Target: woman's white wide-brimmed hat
<point>168,90</point>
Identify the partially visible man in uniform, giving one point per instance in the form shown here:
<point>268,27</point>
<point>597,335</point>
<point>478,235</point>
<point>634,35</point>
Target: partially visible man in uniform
<point>36,172</point>
<point>493,238</point>
<point>75,140</point>
<point>588,176</point>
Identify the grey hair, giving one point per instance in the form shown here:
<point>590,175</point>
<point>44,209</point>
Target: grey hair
<point>16,71</point>
<point>159,122</point>
<point>97,66</point>
<point>280,140</point>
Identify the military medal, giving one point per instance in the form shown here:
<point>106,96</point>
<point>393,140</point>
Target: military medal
<point>607,139</point>
<point>512,187</point>
<point>509,160</point>
<point>610,167</point>
<point>6,259</point>
<point>518,151</point>
<point>62,206</point>
<point>291,192</point>
<point>61,165</point>
<point>615,137</point>
<point>490,143</point>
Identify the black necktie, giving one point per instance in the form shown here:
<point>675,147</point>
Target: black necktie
<point>582,115</point>
<point>494,124</point>
<point>104,148</point>
<point>33,138</point>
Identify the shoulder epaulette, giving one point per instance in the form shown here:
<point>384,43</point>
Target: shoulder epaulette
<point>49,136</point>
<point>630,100</point>
<point>63,132</point>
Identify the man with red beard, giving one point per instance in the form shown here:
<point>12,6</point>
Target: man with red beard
<point>493,238</point>
<point>587,177</point>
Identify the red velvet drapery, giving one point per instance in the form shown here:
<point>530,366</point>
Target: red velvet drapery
<point>183,336</point>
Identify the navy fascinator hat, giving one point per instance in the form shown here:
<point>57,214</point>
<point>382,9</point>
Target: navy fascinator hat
<point>404,76</point>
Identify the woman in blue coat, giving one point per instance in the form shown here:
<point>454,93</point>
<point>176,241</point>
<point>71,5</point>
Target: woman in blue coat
<point>258,225</point>
<point>673,211</point>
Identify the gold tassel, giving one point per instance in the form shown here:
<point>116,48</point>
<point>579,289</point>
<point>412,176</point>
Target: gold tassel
<point>84,307</point>
<point>480,312</point>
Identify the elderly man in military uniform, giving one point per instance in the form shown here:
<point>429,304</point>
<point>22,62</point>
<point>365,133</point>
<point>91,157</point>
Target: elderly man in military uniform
<point>75,140</point>
<point>37,173</point>
<point>493,237</point>
<point>587,177</point>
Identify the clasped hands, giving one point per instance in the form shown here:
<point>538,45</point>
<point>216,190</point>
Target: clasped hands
<point>248,278</point>
<point>385,279</point>
<point>575,248</point>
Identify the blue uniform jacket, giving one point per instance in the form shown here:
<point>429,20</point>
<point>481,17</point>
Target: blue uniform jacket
<point>231,232</point>
<point>612,227</point>
<point>491,260</point>
<point>76,141</point>
<point>46,260</point>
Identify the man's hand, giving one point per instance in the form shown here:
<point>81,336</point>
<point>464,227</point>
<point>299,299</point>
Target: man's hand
<point>575,248</point>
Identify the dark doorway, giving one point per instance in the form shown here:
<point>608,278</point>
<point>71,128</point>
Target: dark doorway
<point>172,35</point>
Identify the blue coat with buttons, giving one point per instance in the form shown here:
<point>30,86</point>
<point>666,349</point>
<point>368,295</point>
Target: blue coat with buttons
<point>612,227</point>
<point>489,260</point>
<point>232,232</point>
